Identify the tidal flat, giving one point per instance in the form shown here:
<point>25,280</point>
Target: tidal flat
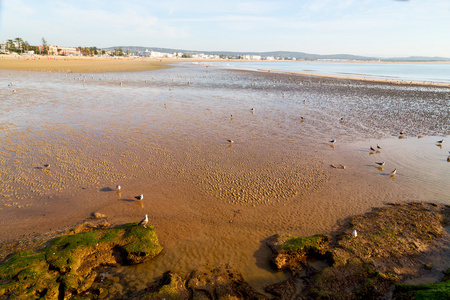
<point>164,134</point>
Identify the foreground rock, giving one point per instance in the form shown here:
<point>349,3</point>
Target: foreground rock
<point>364,266</point>
<point>216,283</point>
<point>66,266</point>
<point>344,265</point>
<point>440,290</point>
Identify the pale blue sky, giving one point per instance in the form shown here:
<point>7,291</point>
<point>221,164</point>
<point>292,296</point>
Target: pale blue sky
<point>362,27</point>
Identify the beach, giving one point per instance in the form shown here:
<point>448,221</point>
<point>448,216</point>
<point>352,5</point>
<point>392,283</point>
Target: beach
<point>164,134</point>
<point>79,64</point>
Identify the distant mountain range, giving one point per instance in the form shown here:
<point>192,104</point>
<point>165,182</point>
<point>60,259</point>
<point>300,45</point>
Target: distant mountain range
<point>282,54</point>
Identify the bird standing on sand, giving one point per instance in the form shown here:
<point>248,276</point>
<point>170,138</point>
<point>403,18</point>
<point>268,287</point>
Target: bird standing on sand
<point>440,142</point>
<point>230,141</point>
<point>378,146</point>
<point>140,197</point>
<point>371,148</point>
<point>118,187</point>
<point>394,172</point>
<point>380,163</point>
<point>47,166</point>
<point>333,141</point>
<point>144,222</point>
<point>354,233</point>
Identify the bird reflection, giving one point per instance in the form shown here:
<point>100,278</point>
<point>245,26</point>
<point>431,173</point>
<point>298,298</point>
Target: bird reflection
<point>439,146</point>
<point>379,168</point>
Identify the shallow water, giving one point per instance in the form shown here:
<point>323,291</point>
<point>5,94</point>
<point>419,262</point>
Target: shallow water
<point>164,134</point>
<point>418,72</point>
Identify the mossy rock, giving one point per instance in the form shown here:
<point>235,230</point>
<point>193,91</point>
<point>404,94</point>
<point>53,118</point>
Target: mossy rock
<point>317,243</point>
<point>66,265</point>
<point>440,290</point>
<point>291,252</point>
<point>171,287</point>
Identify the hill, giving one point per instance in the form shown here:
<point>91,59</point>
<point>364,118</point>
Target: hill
<point>281,54</point>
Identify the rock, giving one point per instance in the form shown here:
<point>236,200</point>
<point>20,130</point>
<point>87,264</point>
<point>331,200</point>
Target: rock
<point>66,266</point>
<point>338,166</point>
<point>283,290</point>
<point>221,283</point>
<point>171,286</point>
<point>97,215</point>
<point>204,283</point>
<point>291,252</point>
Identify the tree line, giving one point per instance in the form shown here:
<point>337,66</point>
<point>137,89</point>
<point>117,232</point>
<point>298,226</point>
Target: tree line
<point>18,45</point>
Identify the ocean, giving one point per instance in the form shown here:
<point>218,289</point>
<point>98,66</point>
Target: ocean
<point>420,72</point>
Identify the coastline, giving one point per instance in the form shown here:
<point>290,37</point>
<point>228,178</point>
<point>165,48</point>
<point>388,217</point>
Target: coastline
<point>128,64</point>
<point>354,78</point>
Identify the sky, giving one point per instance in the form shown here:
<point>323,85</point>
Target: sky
<point>381,28</point>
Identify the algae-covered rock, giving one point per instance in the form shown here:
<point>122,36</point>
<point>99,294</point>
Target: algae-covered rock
<point>388,242</point>
<point>222,282</point>
<point>291,252</point>
<point>170,287</point>
<point>66,265</point>
<point>440,290</point>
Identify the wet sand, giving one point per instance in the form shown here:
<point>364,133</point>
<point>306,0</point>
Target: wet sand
<point>164,134</point>
<point>79,64</point>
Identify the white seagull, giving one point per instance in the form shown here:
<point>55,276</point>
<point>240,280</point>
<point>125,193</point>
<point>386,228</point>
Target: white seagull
<point>144,222</point>
<point>140,197</point>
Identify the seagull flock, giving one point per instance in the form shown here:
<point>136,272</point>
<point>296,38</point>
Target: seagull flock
<point>392,174</point>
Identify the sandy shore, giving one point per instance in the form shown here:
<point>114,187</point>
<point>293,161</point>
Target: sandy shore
<point>80,64</point>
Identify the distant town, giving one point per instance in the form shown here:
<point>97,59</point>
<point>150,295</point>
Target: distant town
<point>18,46</point>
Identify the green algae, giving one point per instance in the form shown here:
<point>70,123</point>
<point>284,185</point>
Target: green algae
<point>65,266</point>
<point>303,244</point>
<point>440,290</point>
